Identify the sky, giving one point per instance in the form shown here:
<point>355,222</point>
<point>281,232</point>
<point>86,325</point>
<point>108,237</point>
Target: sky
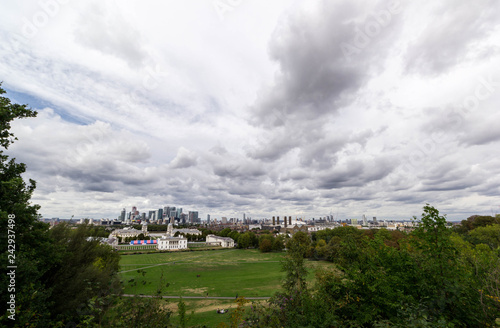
<point>298,108</point>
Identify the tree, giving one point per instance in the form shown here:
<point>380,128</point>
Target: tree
<point>489,235</point>
<point>33,248</point>
<point>244,240</point>
<point>87,269</point>
<point>266,245</point>
<point>60,276</point>
<point>181,306</point>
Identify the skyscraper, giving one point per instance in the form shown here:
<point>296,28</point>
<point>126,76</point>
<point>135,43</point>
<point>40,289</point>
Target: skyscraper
<point>193,217</point>
<point>208,218</point>
<point>159,214</point>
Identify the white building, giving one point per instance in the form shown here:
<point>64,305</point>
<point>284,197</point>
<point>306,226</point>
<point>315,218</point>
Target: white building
<point>128,232</point>
<point>223,241</point>
<point>169,243</point>
<point>172,243</point>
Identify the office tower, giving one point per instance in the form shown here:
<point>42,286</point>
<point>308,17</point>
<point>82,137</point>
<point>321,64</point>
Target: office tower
<point>122,215</point>
<point>365,222</point>
<point>193,217</point>
<point>208,218</point>
<point>159,214</point>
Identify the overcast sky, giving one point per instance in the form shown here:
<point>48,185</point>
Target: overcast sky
<point>301,108</point>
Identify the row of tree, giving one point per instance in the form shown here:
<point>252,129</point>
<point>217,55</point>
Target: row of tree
<point>431,277</point>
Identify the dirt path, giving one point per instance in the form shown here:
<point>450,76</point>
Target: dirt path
<point>201,297</point>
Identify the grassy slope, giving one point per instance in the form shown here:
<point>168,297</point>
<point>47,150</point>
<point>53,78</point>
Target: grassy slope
<point>222,273</point>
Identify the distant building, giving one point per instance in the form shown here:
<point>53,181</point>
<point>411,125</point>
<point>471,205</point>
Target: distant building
<point>223,241</point>
<point>193,217</point>
<point>159,214</point>
<point>126,233</point>
<point>130,232</point>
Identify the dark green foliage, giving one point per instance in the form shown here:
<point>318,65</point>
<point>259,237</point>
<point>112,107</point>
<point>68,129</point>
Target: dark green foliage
<point>32,244</point>
<point>247,240</point>
<point>61,278</point>
<point>181,306</point>
<point>266,245</point>
<point>87,269</point>
<point>489,235</point>
<point>428,278</point>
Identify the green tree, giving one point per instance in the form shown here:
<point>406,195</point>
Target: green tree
<point>266,245</point>
<point>244,240</point>
<point>489,235</point>
<point>87,269</point>
<point>61,277</point>
<point>279,243</point>
<point>446,287</point>
<point>33,252</point>
<point>181,306</point>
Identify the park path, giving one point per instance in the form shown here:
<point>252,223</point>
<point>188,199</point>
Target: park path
<point>201,297</point>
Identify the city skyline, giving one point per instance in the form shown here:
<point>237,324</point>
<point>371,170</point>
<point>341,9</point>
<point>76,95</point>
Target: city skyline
<point>306,108</point>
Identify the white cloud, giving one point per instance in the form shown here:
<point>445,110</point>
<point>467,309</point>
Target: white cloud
<point>261,112</point>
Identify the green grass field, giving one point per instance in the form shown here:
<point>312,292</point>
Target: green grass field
<point>224,272</point>
<point>219,273</point>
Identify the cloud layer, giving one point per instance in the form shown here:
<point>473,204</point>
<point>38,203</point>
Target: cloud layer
<point>303,108</point>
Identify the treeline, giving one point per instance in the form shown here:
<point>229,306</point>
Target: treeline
<point>432,277</point>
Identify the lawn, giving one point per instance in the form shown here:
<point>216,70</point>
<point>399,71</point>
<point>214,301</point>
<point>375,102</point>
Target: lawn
<point>224,272</point>
<point>228,272</point>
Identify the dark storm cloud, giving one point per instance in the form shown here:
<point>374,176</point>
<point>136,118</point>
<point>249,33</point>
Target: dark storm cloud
<point>354,174</point>
<point>317,74</point>
<point>447,175</point>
